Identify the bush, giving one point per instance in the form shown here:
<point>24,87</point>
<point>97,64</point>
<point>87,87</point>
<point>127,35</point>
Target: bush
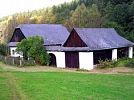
<point>125,62</point>
<point>122,62</point>
<point>106,63</point>
<point>28,63</point>
<point>3,49</point>
<point>33,47</point>
<point>130,63</point>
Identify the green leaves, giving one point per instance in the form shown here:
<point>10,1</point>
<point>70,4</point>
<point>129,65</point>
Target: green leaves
<point>33,47</point>
<point>85,17</point>
<point>3,49</point>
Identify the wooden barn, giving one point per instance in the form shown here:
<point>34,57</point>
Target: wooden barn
<point>82,48</point>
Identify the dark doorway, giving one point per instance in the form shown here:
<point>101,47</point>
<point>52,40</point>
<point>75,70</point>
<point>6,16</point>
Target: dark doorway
<point>102,55</point>
<point>52,60</point>
<point>122,52</point>
<point>72,59</point>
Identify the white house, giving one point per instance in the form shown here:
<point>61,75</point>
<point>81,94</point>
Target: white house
<point>82,48</point>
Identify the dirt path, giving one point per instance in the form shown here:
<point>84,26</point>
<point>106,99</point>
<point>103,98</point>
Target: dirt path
<point>13,84</point>
<point>35,69</point>
<point>117,70</point>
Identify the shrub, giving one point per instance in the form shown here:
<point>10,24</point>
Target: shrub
<point>125,62</point>
<point>106,63</point>
<point>3,49</point>
<point>122,62</point>
<point>28,63</point>
<point>130,63</point>
<point>33,47</point>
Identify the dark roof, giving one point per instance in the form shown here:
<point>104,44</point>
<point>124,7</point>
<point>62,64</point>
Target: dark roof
<point>95,38</point>
<point>102,38</point>
<point>12,44</point>
<point>61,48</point>
<point>56,48</point>
<point>52,33</point>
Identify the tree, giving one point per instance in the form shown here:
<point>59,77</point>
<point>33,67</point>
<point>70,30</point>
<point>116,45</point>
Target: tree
<point>94,17</point>
<point>3,49</point>
<point>32,47</point>
<point>117,27</point>
<point>11,24</point>
<point>85,17</point>
<point>78,13</point>
<point>116,2</point>
<point>123,17</point>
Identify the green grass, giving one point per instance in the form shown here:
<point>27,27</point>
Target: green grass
<point>4,89</point>
<point>65,86</point>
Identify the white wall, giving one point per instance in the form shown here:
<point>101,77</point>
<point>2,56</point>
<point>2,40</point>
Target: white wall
<point>15,53</point>
<point>86,60</point>
<point>114,54</point>
<point>60,59</point>
<point>130,52</point>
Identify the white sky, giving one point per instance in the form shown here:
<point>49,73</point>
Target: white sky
<point>8,7</point>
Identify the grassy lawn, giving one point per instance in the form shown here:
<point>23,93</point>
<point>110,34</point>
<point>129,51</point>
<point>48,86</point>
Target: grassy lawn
<point>65,86</point>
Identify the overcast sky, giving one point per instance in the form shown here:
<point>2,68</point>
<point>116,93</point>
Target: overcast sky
<point>8,7</point>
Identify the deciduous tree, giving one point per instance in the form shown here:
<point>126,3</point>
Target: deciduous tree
<point>33,47</point>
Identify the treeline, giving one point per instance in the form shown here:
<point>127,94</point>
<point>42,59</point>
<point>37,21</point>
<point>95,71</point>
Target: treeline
<point>118,14</point>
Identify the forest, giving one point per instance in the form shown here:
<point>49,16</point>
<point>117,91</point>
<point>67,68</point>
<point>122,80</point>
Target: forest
<point>118,14</point>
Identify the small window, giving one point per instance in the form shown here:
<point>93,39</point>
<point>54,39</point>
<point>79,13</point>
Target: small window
<point>13,52</point>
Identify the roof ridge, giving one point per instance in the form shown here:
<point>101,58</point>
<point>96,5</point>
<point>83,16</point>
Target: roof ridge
<point>93,28</point>
<point>25,25</point>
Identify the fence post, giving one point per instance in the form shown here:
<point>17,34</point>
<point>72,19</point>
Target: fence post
<point>13,61</point>
<point>5,59</point>
<point>20,62</point>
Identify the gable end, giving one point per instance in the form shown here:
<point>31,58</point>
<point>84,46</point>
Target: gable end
<point>17,35</point>
<point>74,40</point>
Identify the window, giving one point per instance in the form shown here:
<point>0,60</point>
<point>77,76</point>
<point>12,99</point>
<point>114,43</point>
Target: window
<point>13,52</point>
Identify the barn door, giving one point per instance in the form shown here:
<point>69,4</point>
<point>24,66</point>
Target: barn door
<point>72,59</point>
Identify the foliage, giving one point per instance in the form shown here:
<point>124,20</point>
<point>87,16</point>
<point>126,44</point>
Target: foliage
<point>28,63</point>
<point>122,62</point>
<point>32,47</point>
<point>115,25</point>
<point>117,14</point>
<point>125,62</point>
<point>85,17</point>
<point>130,63</point>
<point>3,49</point>
<point>122,14</point>
<point>106,63</point>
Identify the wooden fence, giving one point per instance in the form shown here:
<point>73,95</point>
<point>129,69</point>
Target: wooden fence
<point>17,61</point>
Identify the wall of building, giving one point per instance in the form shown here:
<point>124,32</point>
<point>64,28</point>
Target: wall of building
<point>13,52</point>
<point>86,60</point>
<point>17,36</point>
<point>130,52</point>
<point>114,55</point>
<point>60,59</point>
<point>74,40</point>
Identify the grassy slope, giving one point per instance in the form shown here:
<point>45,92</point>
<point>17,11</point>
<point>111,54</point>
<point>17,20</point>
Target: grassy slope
<point>76,86</point>
<point>65,85</point>
<point>4,89</point>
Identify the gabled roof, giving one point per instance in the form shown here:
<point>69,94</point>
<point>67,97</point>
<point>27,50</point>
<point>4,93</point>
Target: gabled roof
<point>102,38</point>
<point>52,33</point>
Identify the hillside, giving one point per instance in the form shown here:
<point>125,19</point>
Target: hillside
<point>79,13</point>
